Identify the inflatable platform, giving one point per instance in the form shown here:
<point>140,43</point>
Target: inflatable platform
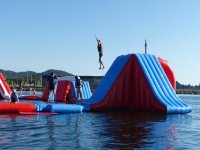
<point>134,82</point>
<point>37,104</point>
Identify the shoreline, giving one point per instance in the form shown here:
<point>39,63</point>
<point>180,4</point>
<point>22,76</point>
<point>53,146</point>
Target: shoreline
<point>95,81</point>
<point>188,91</point>
<point>93,86</point>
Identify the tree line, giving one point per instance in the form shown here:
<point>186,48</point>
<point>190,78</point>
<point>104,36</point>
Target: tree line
<point>187,86</point>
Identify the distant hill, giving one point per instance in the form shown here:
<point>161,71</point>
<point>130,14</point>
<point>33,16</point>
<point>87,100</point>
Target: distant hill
<point>183,86</point>
<point>12,74</point>
<point>58,72</point>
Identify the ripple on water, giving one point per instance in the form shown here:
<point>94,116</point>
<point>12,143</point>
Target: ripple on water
<point>133,130</point>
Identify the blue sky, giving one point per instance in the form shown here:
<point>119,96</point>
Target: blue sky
<point>38,35</point>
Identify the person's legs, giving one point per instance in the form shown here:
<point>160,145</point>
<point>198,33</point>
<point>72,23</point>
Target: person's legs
<point>78,92</point>
<point>81,93</point>
<point>100,61</point>
<point>102,65</point>
<point>51,97</point>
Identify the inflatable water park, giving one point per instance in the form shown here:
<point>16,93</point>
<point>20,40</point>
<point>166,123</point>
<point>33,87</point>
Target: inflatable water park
<point>134,82</point>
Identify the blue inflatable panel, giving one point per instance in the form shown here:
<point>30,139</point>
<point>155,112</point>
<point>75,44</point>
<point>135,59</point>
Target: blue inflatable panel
<point>56,107</point>
<point>107,81</point>
<point>59,108</point>
<point>86,91</point>
<point>40,105</point>
<point>66,108</point>
<point>160,84</point>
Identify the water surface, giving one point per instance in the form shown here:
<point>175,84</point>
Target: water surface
<point>143,131</point>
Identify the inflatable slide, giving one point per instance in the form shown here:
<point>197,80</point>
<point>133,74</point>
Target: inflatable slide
<point>136,82</point>
<point>4,88</point>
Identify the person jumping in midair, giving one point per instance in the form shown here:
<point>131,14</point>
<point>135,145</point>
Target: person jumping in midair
<point>100,50</point>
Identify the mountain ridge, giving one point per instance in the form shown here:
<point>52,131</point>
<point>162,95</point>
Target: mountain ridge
<point>13,74</point>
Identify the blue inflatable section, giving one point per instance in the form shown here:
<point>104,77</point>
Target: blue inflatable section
<point>107,81</point>
<point>160,84</point>
<point>86,91</point>
<point>65,108</point>
<point>56,107</point>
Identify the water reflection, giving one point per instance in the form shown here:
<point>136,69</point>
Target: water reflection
<point>129,130</point>
<point>133,130</point>
<point>136,130</point>
<point>63,131</point>
<point>50,127</point>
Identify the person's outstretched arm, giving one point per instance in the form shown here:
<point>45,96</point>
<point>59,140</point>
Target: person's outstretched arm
<point>96,38</point>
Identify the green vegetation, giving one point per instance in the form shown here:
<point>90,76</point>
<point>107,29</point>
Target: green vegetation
<point>187,89</point>
<point>31,81</point>
<point>35,80</point>
<point>183,86</point>
<point>29,78</point>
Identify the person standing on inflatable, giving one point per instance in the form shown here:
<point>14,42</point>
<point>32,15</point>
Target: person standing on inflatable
<point>78,84</point>
<point>100,50</point>
<point>55,77</point>
<point>50,82</point>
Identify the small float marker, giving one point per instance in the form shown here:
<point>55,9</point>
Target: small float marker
<point>145,45</point>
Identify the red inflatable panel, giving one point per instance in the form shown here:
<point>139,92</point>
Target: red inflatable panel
<point>31,97</point>
<point>45,95</point>
<point>62,90</point>
<point>1,88</point>
<point>5,83</point>
<point>130,91</point>
<point>16,107</point>
<point>168,71</point>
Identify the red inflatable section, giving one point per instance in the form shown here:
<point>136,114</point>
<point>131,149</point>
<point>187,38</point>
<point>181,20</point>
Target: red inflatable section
<point>45,93</point>
<point>31,97</point>
<point>127,92</point>
<point>168,71</point>
<point>5,83</point>
<point>16,108</point>
<point>5,89</point>
<point>63,89</point>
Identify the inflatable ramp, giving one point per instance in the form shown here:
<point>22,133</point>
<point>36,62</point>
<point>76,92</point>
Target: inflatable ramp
<point>4,88</point>
<point>86,91</point>
<point>160,85</point>
<point>136,82</point>
<point>64,87</point>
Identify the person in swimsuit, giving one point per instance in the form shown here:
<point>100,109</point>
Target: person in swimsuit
<point>78,84</point>
<point>51,87</point>
<point>100,51</point>
<point>14,97</point>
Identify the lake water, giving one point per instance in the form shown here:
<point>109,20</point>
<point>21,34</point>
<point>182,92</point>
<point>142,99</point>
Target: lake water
<point>139,131</point>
